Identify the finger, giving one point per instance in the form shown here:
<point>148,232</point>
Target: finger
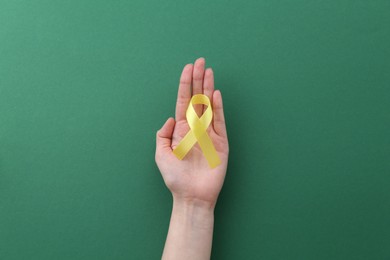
<point>197,81</point>
<point>208,85</point>
<point>219,118</point>
<point>184,92</point>
<point>164,136</point>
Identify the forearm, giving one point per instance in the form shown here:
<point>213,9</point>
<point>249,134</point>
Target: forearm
<point>190,231</point>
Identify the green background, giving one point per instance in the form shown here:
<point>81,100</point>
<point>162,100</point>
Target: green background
<point>84,86</point>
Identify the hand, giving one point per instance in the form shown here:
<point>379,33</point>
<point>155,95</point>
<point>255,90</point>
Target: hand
<point>191,179</point>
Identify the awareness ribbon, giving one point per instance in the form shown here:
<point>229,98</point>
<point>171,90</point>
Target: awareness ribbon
<point>198,132</point>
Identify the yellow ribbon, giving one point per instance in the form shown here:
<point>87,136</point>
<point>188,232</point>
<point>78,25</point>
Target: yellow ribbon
<point>198,132</point>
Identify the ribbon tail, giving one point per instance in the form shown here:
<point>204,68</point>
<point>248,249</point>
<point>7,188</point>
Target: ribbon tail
<point>185,145</point>
<point>209,151</point>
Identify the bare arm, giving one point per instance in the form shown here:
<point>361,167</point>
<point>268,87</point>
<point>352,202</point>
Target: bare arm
<point>190,231</point>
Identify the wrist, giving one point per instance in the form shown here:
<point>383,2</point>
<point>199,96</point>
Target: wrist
<point>199,214</point>
<point>193,202</point>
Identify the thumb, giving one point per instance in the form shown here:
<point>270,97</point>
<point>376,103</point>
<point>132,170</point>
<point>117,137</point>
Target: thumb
<point>164,136</point>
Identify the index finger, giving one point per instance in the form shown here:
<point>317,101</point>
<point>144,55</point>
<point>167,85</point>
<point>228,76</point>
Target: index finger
<point>184,93</point>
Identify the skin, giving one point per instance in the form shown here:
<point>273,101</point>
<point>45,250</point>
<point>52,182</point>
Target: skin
<point>194,186</point>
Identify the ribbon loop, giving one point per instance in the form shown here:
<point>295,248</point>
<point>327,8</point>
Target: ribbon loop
<point>198,132</point>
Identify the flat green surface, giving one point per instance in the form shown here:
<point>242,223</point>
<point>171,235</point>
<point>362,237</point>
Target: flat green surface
<point>84,85</point>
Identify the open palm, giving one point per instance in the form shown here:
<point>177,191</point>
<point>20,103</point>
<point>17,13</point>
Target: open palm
<point>192,178</point>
